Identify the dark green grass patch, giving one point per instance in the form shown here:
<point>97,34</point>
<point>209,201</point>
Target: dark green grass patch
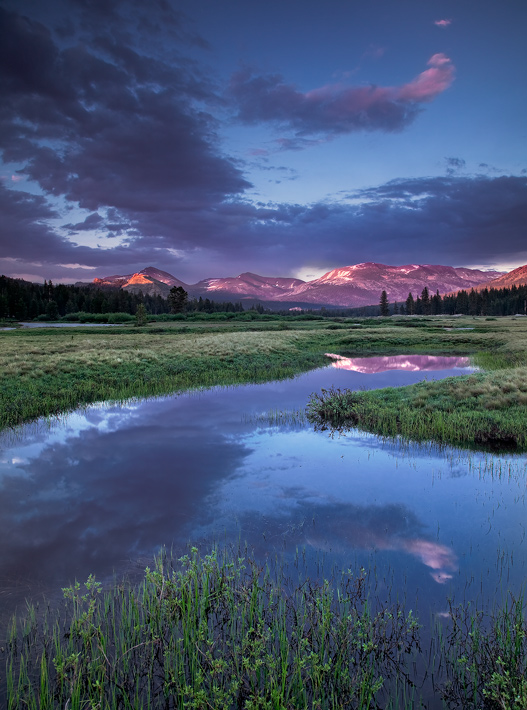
<point>481,411</point>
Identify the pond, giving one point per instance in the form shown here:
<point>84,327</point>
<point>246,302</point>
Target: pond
<point>103,488</point>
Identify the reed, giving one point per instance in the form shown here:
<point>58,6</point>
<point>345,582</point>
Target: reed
<point>485,658</point>
<point>212,631</point>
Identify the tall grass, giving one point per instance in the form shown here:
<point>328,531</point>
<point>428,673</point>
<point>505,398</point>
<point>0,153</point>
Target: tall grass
<point>485,658</point>
<point>480,411</point>
<point>56,371</point>
<point>220,630</point>
<point>213,631</point>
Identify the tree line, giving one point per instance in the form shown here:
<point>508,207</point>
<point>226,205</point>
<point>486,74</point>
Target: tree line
<point>488,302</point>
<point>24,300</point>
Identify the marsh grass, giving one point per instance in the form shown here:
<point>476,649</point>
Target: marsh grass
<point>483,411</point>
<point>45,372</point>
<point>57,371</point>
<point>213,631</point>
<point>486,410</point>
<point>484,658</point>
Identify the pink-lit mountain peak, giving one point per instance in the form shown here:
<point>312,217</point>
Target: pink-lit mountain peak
<point>346,286</point>
<point>516,277</point>
<point>162,276</point>
<point>249,284</point>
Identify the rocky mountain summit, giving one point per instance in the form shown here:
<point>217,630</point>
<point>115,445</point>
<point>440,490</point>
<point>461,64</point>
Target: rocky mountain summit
<point>347,286</point>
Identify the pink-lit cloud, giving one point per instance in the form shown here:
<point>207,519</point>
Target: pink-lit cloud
<point>440,559</point>
<point>338,108</point>
<point>442,23</point>
<point>431,82</point>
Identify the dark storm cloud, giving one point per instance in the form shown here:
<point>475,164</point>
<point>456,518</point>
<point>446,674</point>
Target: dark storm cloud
<point>125,130</point>
<point>108,127</point>
<point>153,18</point>
<point>444,220</point>
<point>23,226</point>
<point>26,237</point>
<point>99,119</point>
<point>337,109</point>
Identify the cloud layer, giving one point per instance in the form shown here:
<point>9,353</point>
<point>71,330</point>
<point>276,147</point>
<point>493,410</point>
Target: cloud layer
<point>105,126</point>
<point>338,109</point>
<point>445,220</point>
<point>116,139</point>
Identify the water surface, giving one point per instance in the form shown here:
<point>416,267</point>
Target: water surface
<point>108,485</point>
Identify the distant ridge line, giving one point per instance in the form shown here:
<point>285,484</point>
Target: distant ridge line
<point>347,286</point>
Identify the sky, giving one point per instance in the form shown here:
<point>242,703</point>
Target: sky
<point>208,138</point>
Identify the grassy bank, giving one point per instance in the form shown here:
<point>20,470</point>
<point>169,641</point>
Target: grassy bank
<point>48,371</point>
<point>484,410</point>
<point>220,631</point>
<point>44,371</point>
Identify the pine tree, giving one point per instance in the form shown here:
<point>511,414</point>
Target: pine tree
<point>383,304</point>
<point>410,305</point>
<point>436,304</point>
<point>177,299</point>
<point>425,301</point>
<point>52,310</point>
<point>141,317</point>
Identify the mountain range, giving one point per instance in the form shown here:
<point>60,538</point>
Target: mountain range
<point>348,286</point>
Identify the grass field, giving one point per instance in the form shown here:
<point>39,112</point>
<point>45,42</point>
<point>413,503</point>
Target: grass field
<point>48,371</point>
<point>487,409</point>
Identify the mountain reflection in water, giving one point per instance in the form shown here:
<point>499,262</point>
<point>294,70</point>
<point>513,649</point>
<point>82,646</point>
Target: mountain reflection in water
<point>410,363</point>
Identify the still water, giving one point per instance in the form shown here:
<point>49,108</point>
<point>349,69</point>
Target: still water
<point>103,488</point>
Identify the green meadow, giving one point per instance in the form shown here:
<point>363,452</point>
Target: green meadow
<point>45,371</point>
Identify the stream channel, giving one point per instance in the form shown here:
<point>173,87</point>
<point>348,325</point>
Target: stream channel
<point>102,489</point>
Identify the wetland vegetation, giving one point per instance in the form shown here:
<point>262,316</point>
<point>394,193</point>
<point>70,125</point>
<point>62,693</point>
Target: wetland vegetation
<point>222,631</point>
<point>215,631</point>
<point>46,372</point>
<point>225,629</point>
